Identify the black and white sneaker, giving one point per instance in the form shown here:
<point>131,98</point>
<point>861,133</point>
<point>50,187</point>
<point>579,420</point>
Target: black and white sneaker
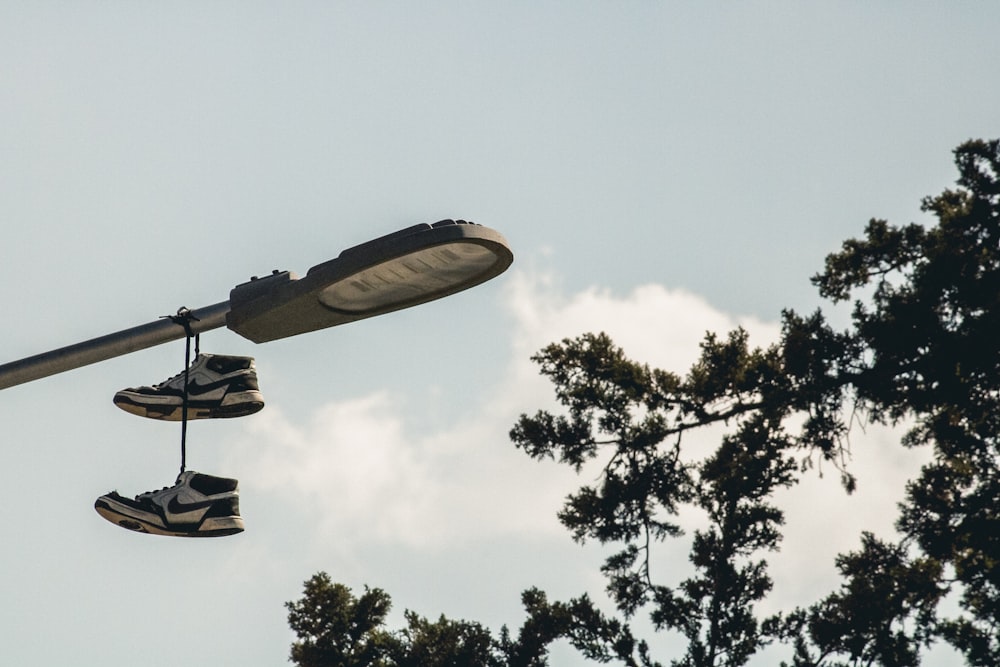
<point>218,386</point>
<point>197,505</point>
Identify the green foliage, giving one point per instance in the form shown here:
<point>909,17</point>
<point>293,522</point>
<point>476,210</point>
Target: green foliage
<point>883,614</point>
<point>923,347</point>
<point>931,342</point>
<point>444,643</point>
<point>597,637</point>
<point>335,629</point>
<point>633,419</point>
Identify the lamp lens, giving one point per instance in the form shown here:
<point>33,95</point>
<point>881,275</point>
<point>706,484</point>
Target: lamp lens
<point>418,275</point>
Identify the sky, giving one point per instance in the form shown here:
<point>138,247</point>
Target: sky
<point>659,169</point>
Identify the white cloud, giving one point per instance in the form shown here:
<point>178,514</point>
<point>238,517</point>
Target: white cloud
<point>352,462</point>
<point>374,481</point>
<point>653,324</point>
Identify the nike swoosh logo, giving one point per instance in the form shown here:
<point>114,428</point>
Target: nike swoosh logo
<point>177,507</point>
<point>194,387</point>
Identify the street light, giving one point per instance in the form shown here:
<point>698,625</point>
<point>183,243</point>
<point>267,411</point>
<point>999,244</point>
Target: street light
<point>412,266</point>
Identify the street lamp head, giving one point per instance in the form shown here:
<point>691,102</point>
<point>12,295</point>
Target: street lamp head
<point>412,266</point>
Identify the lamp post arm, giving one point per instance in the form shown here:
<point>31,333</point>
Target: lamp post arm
<point>406,268</point>
<point>112,345</point>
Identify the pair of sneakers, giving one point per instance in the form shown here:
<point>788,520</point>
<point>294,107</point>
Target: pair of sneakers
<point>197,505</point>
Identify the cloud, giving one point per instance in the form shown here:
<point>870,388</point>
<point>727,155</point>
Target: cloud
<point>345,461</point>
<point>653,324</point>
<point>376,481</point>
<point>371,481</point>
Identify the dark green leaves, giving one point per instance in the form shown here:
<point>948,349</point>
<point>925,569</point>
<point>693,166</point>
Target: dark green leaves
<point>631,421</point>
<point>337,629</point>
<point>924,346</point>
<point>716,444</point>
<point>884,613</point>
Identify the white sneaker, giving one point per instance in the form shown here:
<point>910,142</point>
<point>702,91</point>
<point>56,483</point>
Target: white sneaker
<point>218,386</point>
<point>197,505</point>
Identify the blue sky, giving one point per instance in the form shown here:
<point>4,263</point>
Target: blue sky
<point>660,169</point>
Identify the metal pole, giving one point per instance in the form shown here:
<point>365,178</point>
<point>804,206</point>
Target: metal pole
<point>112,345</point>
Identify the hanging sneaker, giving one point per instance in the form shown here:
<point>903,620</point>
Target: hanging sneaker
<point>197,505</point>
<point>218,386</point>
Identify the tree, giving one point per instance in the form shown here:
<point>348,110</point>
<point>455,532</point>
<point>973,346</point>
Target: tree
<point>929,351</point>
<point>337,629</point>
<point>633,419</point>
<point>883,614</point>
<point>923,349</point>
<point>595,636</point>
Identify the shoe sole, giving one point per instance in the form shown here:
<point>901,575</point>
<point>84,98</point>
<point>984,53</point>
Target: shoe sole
<point>211,527</point>
<point>240,405</point>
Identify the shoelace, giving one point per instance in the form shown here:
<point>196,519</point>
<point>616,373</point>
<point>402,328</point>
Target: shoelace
<point>153,493</point>
<point>159,385</point>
